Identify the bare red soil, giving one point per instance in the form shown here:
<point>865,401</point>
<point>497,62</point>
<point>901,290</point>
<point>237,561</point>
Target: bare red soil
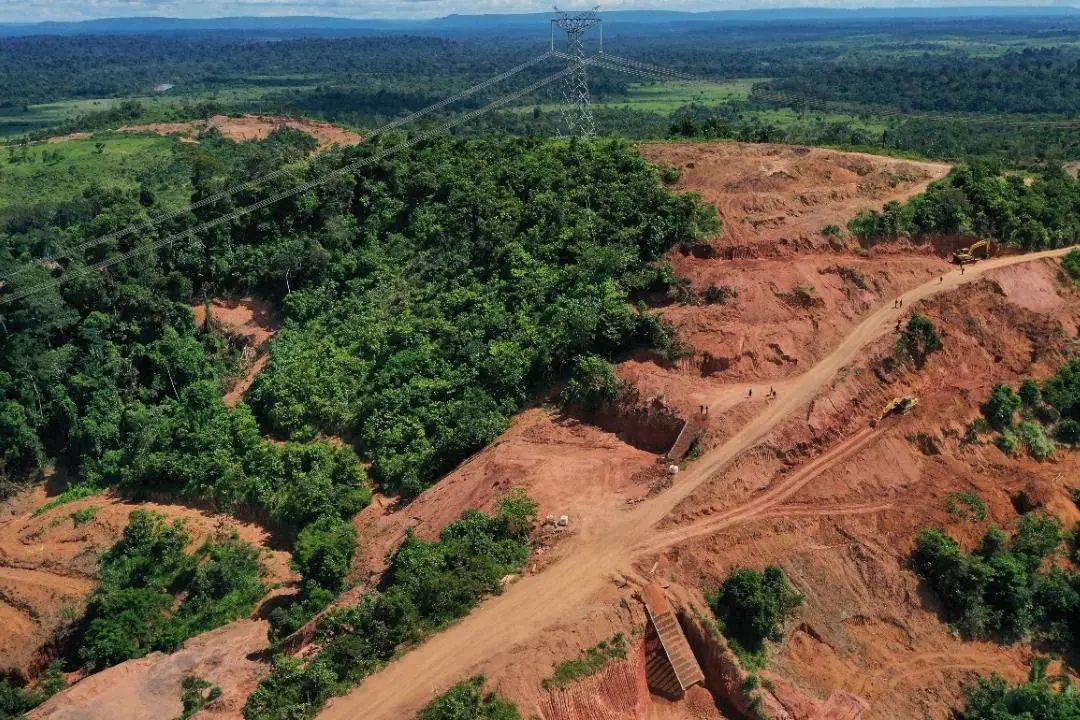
<point>48,563</point>
<point>151,688</point>
<point>777,199</point>
<point>746,501</point>
<point>250,323</point>
<point>252,127</point>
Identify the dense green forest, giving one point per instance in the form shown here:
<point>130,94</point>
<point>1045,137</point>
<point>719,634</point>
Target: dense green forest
<point>1036,212</point>
<point>849,83</point>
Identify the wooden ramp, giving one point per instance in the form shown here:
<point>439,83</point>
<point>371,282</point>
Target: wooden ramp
<point>672,645</point>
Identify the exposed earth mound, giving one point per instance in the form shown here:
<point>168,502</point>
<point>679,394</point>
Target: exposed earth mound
<point>48,563</point>
<point>249,324</point>
<point>777,199</point>
<point>252,127</point>
<point>151,688</point>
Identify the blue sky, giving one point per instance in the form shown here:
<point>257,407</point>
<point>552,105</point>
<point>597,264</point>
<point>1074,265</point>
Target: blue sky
<point>34,10</point>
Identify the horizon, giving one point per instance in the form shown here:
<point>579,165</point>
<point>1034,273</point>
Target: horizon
<point>63,11</point>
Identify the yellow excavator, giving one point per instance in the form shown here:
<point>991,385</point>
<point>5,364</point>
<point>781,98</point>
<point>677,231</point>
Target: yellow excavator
<point>899,406</point>
<point>967,255</point>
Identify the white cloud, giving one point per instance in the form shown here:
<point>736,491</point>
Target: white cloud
<point>36,10</point>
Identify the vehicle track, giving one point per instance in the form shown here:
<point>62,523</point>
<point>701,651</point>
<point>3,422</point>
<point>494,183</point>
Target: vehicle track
<point>608,547</point>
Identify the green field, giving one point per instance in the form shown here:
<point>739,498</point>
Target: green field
<point>15,123</point>
<point>665,98</point>
<point>44,173</point>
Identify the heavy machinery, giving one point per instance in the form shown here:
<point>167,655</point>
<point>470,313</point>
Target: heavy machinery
<point>899,406</point>
<point>967,255</point>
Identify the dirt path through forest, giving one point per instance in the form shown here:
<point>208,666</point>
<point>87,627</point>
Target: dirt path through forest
<point>604,551</point>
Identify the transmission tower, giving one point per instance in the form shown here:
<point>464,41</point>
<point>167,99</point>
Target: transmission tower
<point>577,106</point>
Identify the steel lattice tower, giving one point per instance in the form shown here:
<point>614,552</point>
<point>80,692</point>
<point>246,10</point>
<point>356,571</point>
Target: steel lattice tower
<point>577,113</point>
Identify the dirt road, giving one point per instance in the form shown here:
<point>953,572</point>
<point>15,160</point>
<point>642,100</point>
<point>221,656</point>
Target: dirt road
<point>606,549</point>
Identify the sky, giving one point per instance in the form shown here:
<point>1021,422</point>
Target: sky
<point>38,10</point>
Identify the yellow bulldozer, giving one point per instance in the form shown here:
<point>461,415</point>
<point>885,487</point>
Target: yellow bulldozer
<point>968,254</point>
<point>899,406</point>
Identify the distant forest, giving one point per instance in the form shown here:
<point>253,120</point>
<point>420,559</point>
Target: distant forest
<point>882,84</point>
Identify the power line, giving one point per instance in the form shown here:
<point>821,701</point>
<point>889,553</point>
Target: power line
<point>68,252</point>
<point>295,190</point>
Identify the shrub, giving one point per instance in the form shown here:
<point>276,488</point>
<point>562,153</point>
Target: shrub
<point>1002,591</point>
<point>1029,393</point>
<point>426,586</point>
<point>1002,407</point>
<point>84,515</point>
<point>670,175</point>
<point>1071,263</point>
<point>752,606</point>
<point>592,383</point>
<point>831,230</point>
<point>967,506</point>
<point>1039,699</point>
<point>919,339</point>
<point>467,701</point>
<point>1068,432</point>
<point>1032,435</point>
<point>198,693</point>
<point>719,295</point>
<point>323,552</point>
<point>591,662</point>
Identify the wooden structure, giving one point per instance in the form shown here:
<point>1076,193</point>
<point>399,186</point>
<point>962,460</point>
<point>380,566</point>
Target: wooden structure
<point>670,666</point>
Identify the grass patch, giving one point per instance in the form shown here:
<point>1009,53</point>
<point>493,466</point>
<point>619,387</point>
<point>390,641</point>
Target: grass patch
<point>591,662</point>
<point>31,175</point>
<point>73,493</point>
<point>83,516</point>
<point>967,506</point>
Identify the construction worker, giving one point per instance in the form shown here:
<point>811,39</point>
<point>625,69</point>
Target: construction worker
<point>961,268</point>
<point>751,393</point>
<point>897,325</point>
<point>941,279</point>
<point>901,303</point>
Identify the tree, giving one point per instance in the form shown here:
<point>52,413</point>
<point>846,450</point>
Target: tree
<point>919,339</point>
<point>323,552</point>
<point>752,606</point>
<point>593,383</point>
<point>518,511</point>
<point>1002,407</point>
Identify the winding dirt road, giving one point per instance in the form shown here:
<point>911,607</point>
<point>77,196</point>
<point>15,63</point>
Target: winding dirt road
<point>606,549</point>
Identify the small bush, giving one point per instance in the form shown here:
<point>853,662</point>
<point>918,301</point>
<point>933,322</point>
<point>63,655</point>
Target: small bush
<point>1032,435</point>
<point>324,550</point>
<point>919,340</point>
<point>670,175</point>
<point>831,230</point>
<point>593,383</point>
<point>719,295</point>
<point>752,606</point>
<point>967,506</point>
<point>591,662</point>
<point>1068,432</point>
<point>83,516</point>
<point>1001,408</point>
<point>1009,443</point>
<point>1071,263</point>
<point>198,693</point>
<point>467,701</point>
<point>1029,393</point>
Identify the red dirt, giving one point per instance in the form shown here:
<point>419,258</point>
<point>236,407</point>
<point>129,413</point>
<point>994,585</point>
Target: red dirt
<point>776,199</point>
<point>252,127</point>
<point>250,323</point>
<point>827,556</point>
<point>48,564</point>
<point>151,688</point>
